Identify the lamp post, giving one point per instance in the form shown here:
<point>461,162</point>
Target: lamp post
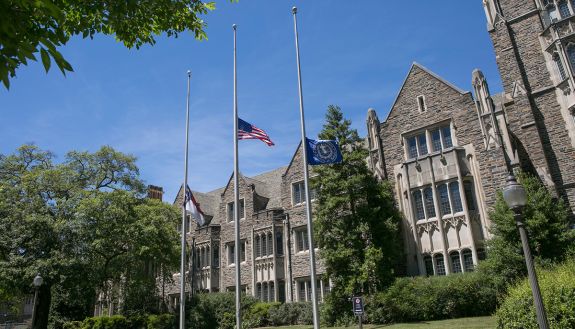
<point>516,198</point>
<point>38,280</point>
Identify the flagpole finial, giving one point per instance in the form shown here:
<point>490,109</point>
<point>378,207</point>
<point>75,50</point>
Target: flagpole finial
<point>294,10</point>
<point>234,26</point>
<point>189,73</point>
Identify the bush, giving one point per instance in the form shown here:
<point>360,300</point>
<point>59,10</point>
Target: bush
<point>215,310</point>
<point>432,298</point>
<point>558,292</point>
<point>290,314</point>
<point>163,321</point>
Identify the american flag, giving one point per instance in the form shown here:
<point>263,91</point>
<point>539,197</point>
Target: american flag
<point>249,131</point>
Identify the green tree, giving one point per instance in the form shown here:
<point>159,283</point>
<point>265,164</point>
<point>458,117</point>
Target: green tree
<point>81,224</point>
<point>357,223</point>
<point>29,27</point>
<point>547,223</point>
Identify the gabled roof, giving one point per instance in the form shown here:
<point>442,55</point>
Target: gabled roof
<point>426,70</point>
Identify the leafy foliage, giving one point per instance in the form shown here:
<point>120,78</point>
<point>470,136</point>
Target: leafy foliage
<point>357,223</point>
<point>84,226</point>
<point>42,26</point>
<point>547,224</point>
<point>558,292</point>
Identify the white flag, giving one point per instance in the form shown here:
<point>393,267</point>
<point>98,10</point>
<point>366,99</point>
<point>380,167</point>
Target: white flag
<point>193,208</point>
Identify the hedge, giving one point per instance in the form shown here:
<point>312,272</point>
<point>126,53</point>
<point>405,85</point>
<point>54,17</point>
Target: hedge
<point>558,292</point>
<point>163,321</point>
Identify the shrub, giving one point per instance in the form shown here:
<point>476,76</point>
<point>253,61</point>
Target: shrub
<point>432,298</point>
<point>558,292</point>
<point>162,321</point>
<point>290,314</point>
<point>214,310</point>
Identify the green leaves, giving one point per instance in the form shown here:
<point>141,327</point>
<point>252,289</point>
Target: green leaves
<point>45,59</point>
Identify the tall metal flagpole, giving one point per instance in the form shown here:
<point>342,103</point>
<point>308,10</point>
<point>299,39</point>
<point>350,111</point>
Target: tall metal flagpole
<point>183,255</point>
<point>306,183</point>
<point>236,194</point>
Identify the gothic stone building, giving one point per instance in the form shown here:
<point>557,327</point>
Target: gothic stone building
<point>274,246</point>
<point>448,152</point>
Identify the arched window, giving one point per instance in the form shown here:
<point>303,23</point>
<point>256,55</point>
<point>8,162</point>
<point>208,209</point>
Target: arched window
<point>439,264</point>
<point>564,9</point>
<point>270,244</point>
<point>571,55</point>
<point>428,265</point>
<point>429,207</point>
<point>468,260</point>
<point>455,262</point>
<point>455,196</point>
<point>444,199</point>
<point>272,292</point>
<point>265,291</point>
<point>418,202</point>
<point>559,65</point>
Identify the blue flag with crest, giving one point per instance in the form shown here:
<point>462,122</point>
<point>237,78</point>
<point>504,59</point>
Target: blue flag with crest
<point>321,152</point>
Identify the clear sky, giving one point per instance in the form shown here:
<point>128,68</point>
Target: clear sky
<point>354,54</point>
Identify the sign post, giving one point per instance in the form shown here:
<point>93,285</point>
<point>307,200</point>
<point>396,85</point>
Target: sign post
<point>358,309</point>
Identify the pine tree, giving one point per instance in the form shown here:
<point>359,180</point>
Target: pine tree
<point>357,223</point>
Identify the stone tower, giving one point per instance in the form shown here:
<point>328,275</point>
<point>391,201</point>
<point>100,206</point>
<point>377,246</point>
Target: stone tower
<point>534,43</point>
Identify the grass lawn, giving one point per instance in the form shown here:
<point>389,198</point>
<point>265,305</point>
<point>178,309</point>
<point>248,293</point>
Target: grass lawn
<point>486,322</point>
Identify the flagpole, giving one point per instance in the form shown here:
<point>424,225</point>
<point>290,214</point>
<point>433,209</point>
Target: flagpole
<point>183,254</point>
<point>236,194</point>
<point>306,183</point>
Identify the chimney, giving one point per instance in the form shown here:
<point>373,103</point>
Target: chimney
<point>155,192</point>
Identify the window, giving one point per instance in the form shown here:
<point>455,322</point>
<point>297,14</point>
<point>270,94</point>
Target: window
<point>257,244</point>
<point>439,264</point>
<point>455,262</point>
<point>231,252</point>
<point>216,256</point>
<point>422,141</point>
<point>301,240</point>
<point>418,202</point>
<point>559,64</point>
<point>417,146</point>
<point>272,291</point>
<point>428,262</point>
<point>455,196</point>
<point>412,147</point>
<point>444,199</point>
<point>469,195</point>
<point>481,254</point>
<point>279,243</point>
<point>231,210</point>
<point>264,245</point>
<point>571,55</point>
<point>429,206</point>
<point>564,9</point>
<point>259,291</point>
<point>436,140</point>
<point>304,290</point>
<point>298,193</point>
<point>468,260</point>
<point>270,245</point>
<point>421,103</point>
<point>446,135</point>
<point>281,291</point>
<point>265,292</point>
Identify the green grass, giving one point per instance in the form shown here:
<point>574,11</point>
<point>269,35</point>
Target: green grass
<point>486,322</point>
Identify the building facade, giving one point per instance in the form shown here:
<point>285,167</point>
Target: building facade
<point>274,255</point>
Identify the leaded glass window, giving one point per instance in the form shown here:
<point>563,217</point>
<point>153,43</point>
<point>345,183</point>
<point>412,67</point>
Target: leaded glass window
<point>412,147</point>
<point>564,9</point>
<point>436,140</point>
<point>469,195</point>
<point>418,202</point>
<point>439,264</point>
<point>429,206</point>
<point>455,196</point>
<point>455,262</point>
<point>444,199</point>
<point>446,134</point>
<point>422,144</point>
<point>571,55</point>
<point>428,264</point>
<point>468,260</point>
<point>560,67</point>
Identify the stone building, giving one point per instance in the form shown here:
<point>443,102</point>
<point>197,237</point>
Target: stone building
<point>449,152</point>
<point>273,232</point>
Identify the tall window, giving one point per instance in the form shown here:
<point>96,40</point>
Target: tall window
<point>559,64</point>
<point>467,260</point>
<point>421,103</point>
<point>301,239</point>
<point>441,138</point>
<point>418,202</point>
<point>436,140</point>
<point>429,206</point>
<point>216,256</point>
<point>439,264</point>
<point>270,250</point>
<point>272,291</point>
<point>470,196</point>
<point>444,199</point>
<point>455,262</point>
<point>446,135</point>
<point>412,147</point>
<point>231,246</point>
<point>571,55</point>
<point>231,210</point>
<point>428,264</point>
<point>564,9</point>
<point>417,145</point>
<point>298,193</point>
<point>257,246</point>
<point>301,296</point>
<point>265,292</point>
<point>279,243</point>
<point>455,196</point>
<point>422,141</point>
<point>264,245</point>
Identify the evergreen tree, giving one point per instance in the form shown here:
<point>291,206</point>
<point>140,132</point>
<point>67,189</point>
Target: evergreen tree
<point>357,223</point>
<point>547,223</point>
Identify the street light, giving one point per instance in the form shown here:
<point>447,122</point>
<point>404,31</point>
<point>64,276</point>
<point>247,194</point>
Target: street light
<point>516,198</point>
<point>38,280</point>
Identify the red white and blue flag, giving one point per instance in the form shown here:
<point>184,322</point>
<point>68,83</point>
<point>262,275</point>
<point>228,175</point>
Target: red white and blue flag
<point>248,131</point>
<point>193,208</point>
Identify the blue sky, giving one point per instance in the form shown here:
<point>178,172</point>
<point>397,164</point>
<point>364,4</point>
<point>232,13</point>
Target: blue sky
<point>354,54</point>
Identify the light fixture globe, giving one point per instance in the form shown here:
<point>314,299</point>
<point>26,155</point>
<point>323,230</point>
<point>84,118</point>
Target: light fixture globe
<point>38,280</point>
<point>514,194</point>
